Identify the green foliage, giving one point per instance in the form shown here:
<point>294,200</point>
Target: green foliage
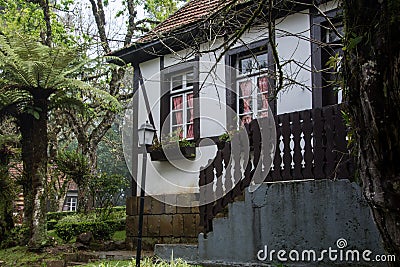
<point>146,262</point>
<point>53,236</point>
<point>18,236</point>
<point>73,164</point>
<point>27,17</point>
<point>161,9</point>
<point>353,42</point>
<point>72,226</point>
<point>119,235</point>
<point>172,139</point>
<point>28,67</point>
<point>227,136</point>
<point>56,216</point>
<point>18,256</point>
<point>116,213</point>
<point>21,256</point>
<point>51,224</point>
<point>110,156</point>
<point>7,188</point>
<point>107,190</point>
<point>68,225</point>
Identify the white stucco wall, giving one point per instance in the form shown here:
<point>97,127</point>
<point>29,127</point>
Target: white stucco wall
<point>253,35</point>
<point>151,78</point>
<point>177,178</point>
<point>292,40</point>
<point>177,57</point>
<point>212,92</point>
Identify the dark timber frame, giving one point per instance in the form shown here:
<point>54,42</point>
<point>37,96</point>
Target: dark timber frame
<point>230,78</point>
<point>316,20</point>
<point>166,73</point>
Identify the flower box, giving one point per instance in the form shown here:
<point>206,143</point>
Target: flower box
<point>159,154</point>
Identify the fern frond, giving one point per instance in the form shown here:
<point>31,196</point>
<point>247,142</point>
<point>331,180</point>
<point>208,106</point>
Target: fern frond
<point>25,64</point>
<point>13,102</point>
<point>107,100</point>
<point>64,101</point>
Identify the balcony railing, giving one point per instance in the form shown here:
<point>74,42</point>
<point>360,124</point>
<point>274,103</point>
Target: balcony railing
<point>310,144</point>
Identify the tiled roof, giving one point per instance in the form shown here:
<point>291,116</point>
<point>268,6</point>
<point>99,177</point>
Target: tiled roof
<point>191,12</point>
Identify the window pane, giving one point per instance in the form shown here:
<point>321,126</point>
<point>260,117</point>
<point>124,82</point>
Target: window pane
<point>245,65</point>
<point>246,105</point>
<point>262,101</point>
<point>177,117</point>
<point>177,102</point>
<point>190,133</point>
<point>331,36</point>
<point>189,115</point>
<point>177,82</point>
<point>245,88</point>
<point>189,79</point>
<point>189,98</point>
<point>262,61</point>
<point>177,131</point>
<point>262,84</point>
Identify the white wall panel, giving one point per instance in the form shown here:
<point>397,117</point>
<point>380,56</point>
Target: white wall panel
<point>292,40</point>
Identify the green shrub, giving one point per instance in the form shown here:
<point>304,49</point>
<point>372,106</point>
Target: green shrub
<point>101,230</point>
<point>70,224</point>
<point>56,216</point>
<point>118,208</point>
<point>18,236</point>
<point>51,224</point>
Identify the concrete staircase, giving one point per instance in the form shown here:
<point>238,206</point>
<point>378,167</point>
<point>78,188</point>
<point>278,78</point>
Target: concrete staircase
<point>307,215</point>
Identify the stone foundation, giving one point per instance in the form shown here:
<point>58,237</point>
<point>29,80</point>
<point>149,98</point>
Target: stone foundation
<point>162,223</point>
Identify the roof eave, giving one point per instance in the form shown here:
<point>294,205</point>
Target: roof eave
<point>141,52</point>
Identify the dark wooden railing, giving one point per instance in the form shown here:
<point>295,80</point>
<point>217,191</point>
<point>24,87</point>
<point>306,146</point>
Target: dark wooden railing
<point>310,144</point>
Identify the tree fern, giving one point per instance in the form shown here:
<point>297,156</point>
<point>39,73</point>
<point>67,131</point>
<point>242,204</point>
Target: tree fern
<point>28,65</point>
<point>33,80</point>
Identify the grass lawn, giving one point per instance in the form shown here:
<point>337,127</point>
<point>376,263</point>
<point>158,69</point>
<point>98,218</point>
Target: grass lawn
<point>119,236</point>
<point>21,257</point>
<point>147,262</point>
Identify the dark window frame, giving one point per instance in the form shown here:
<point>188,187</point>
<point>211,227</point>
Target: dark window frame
<point>317,20</point>
<point>231,58</point>
<point>165,103</point>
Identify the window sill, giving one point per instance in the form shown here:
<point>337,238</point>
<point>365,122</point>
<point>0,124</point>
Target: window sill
<point>159,154</point>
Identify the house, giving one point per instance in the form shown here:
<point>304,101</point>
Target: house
<point>190,94</point>
<point>67,202</point>
<point>209,74</point>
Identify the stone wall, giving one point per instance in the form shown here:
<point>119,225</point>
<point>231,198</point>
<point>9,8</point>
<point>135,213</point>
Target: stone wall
<point>162,223</point>
<point>307,215</point>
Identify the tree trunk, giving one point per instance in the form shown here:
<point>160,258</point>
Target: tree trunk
<point>34,158</point>
<point>85,195</point>
<point>6,196</point>
<point>372,84</point>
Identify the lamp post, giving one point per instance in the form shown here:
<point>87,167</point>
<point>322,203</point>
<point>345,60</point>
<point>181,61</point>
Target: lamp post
<point>145,136</point>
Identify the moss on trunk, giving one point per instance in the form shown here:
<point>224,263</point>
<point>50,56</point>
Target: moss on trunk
<point>372,89</point>
<point>34,156</point>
